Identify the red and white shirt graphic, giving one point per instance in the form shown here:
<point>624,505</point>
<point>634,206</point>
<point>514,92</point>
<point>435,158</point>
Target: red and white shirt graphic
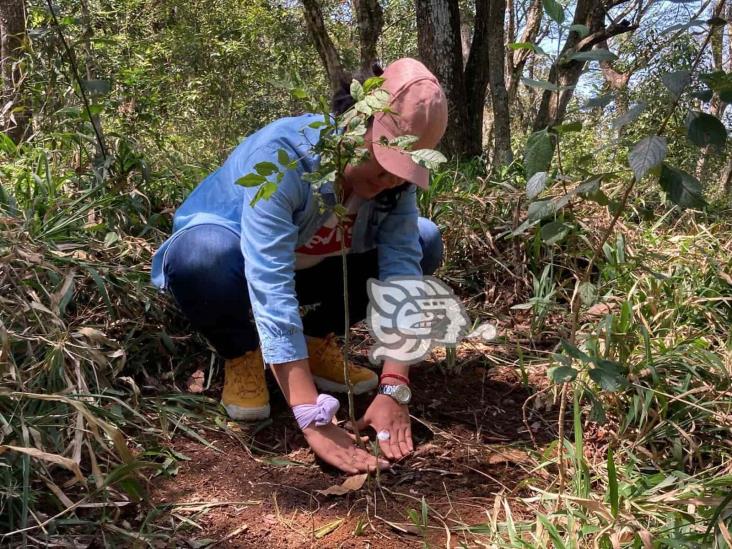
<point>326,241</point>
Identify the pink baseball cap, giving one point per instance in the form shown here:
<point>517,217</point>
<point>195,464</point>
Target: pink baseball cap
<point>420,109</point>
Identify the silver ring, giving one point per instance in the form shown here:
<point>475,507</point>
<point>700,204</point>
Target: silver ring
<point>383,435</point>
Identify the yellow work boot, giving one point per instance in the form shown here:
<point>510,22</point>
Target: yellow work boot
<point>326,365</point>
<point>245,394</point>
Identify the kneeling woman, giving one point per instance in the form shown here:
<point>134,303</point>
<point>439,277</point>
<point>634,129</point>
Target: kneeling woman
<point>226,257</point>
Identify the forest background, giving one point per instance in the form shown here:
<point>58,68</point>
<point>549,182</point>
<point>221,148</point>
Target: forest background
<point>585,211</point>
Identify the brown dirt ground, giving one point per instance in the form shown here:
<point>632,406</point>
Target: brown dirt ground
<point>258,485</point>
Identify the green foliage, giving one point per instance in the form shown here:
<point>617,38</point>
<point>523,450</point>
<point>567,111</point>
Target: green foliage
<point>538,153</point>
<point>341,143</point>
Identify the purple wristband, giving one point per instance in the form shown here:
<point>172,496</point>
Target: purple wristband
<point>321,412</point>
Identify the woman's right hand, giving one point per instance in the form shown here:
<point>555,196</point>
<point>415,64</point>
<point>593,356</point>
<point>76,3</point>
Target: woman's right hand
<point>337,447</point>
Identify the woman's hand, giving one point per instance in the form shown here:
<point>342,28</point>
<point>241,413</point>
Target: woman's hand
<point>337,447</point>
<point>386,414</point>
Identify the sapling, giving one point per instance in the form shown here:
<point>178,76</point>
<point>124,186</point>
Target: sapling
<point>341,143</point>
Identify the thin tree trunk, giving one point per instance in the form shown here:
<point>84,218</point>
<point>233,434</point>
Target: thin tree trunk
<point>91,72</point>
<point>499,96</point>
<point>323,43</point>
<point>716,107</point>
<point>370,18</point>
<point>13,115</point>
<point>519,57</point>
<point>477,74</point>
<point>590,13</point>
<point>439,43</point>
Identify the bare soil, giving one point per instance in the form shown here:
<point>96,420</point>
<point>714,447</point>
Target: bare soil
<point>258,485</point>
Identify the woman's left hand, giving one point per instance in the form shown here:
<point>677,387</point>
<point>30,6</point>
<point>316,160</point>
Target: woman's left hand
<point>386,414</point>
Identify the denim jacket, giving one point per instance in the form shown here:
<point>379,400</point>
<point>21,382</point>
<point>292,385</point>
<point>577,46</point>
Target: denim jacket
<point>271,230</point>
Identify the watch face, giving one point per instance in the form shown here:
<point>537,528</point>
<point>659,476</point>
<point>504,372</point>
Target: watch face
<point>402,394</point>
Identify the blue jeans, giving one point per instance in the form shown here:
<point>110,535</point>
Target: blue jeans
<point>204,267</point>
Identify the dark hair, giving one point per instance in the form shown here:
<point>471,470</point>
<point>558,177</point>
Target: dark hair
<point>342,100</point>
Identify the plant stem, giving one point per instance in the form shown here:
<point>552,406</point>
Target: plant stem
<point>346,335</point>
<point>75,71</point>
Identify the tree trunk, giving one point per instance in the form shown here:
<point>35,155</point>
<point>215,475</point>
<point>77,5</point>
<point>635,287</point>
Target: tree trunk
<point>517,59</point>
<point>370,18</point>
<point>502,154</point>
<point>323,43</point>
<point>13,115</point>
<point>477,71</point>
<point>440,47</point>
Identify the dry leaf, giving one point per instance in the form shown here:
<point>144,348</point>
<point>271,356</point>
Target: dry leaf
<point>195,382</point>
<point>599,309</point>
<point>31,257</point>
<point>646,538</point>
<point>508,456</point>
<point>65,462</point>
<point>351,484</point>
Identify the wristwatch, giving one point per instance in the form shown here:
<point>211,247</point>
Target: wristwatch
<point>401,393</point>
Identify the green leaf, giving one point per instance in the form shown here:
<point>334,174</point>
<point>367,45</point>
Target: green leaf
<point>682,188</point>
<point>526,46</point>
<point>608,375</point>
<point>282,157</point>
<point>725,94</point>
<point>299,93</point>
<point>357,126</point>
<point>372,83</point>
<point>110,238</point>
<point>96,87</point>
<point>587,293</point>
<point>599,101</point>
<point>569,127</point>
<point>428,158</point>
<point>521,46</point>
<point>363,107</point>
<point>540,209</point>
<point>404,141</point>
<point>357,91</point>
<point>543,84</point>
<point>612,485</point>
<point>716,22</point>
<point>538,153</point>
<point>554,10</point>
<point>683,26</point>
<point>375,103</point>
<point>561,374</point>
<point>630,116</point>
<point>676,81</point>
<point>554,232</point>
<point>647,154</point>
<point>251,180</point>
<point>582,30</point>
<point>590,190</point>
<point>704,95</point>
<point>705,129</point>
<point>266,168</point>
<point>716,80</point>
<point>536,184</point>
<point>574,351</point>
<point>594,55</point>
<point>264,192</point>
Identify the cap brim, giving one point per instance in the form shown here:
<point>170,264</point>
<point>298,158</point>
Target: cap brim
<point>398,161</point>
